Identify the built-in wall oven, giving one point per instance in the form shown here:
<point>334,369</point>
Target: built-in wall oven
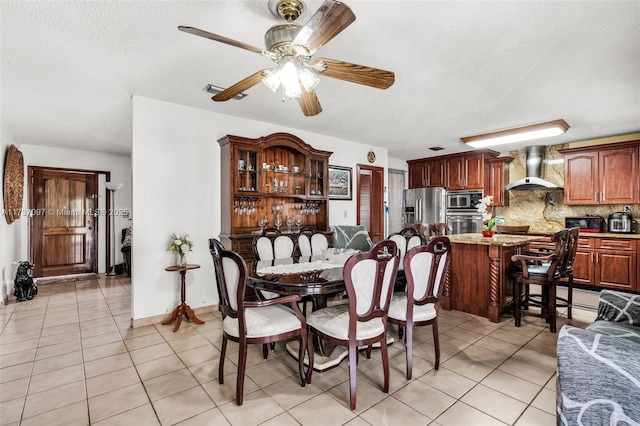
<point>462,213</point>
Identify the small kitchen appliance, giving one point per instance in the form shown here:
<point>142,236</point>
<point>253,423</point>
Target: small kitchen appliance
<point>620,222</point>
<point>588,223</point>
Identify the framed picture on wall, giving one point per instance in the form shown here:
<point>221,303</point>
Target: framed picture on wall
<point>339,183</point>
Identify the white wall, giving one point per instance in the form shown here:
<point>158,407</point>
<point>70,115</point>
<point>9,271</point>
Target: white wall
<point>9,234</point>
<point>176,161</point>
<point>118,165</point>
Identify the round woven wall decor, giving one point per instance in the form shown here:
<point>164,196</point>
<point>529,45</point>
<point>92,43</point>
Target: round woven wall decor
<point>13,184</point>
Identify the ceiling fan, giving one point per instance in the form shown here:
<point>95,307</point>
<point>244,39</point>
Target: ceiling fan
<point>291,47</point>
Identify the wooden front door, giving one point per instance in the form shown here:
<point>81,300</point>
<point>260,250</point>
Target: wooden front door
<point>64,223</point>
<point>370,203</point>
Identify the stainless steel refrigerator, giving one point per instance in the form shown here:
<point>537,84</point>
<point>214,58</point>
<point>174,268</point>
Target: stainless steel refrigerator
<point>424,205</point>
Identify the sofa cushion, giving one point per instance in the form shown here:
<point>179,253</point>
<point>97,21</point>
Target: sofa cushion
<point>598,379</point>
<point>351,237</point>
<point>618,329</point>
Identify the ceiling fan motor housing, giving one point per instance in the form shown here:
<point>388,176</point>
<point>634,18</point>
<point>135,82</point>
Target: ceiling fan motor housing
<point>279,36</point>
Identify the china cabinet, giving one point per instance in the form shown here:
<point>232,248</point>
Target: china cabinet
<point>267,182</point>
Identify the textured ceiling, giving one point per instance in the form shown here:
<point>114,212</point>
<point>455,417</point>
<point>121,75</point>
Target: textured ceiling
<point>69,69</point>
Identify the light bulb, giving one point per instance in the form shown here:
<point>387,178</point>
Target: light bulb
<point>272,80</point>
<point>308,79</point>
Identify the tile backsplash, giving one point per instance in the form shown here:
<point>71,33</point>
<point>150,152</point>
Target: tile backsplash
<point>544,210</point>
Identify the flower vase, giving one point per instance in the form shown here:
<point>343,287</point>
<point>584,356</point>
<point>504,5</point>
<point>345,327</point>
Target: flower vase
<point>488,233</point>
<point>182,260</point>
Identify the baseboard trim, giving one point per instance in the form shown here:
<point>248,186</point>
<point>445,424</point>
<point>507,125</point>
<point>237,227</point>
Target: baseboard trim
<point>156,319</point>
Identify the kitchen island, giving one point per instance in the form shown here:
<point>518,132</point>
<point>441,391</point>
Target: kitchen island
<point>478,281</point>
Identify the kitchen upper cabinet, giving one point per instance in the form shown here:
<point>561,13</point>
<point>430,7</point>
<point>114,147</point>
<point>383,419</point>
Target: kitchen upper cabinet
<point>498,176</point>
<point>466,172</point>
<point>437,172</point>
<point>605,174</point>
<point>417,174</point>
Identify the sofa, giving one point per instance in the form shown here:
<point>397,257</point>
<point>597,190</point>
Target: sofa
<point>598,380</point>
<point>125,248</point>
<point>351,237</point>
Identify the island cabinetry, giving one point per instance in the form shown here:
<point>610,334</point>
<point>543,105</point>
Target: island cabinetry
<point>497,178</point>
<point>478,281</point>
<point>604,174</point>
<point>266,180</point>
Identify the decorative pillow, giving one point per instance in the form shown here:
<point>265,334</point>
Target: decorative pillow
<point>619,307</point>
<point>126,241</point>
<point>351,237</point>
<point>598,379</point>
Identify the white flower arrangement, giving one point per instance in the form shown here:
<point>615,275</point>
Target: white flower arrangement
<point>487,216</point>
<point>180,244</point>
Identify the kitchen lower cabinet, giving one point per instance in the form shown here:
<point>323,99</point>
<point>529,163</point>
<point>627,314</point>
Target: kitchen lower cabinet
<point>604,262</point>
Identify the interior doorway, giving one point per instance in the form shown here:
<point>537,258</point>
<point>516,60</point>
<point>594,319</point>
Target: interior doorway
<point>395,195</point>
<point>370,200</point>
<point>64,218</point>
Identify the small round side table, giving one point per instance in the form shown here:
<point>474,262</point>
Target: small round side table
<point>182,308</point>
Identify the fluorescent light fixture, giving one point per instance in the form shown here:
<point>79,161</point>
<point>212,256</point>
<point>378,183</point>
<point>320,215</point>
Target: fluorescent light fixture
<point>216,89</point>
<point>518,134</point>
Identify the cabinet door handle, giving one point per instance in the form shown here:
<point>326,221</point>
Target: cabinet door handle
<point>602,196</point>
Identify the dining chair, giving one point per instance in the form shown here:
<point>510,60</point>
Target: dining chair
<point>566,273</point>
<point>368,277</point>
<point>252,322</point>
<point>439,228</point>
<point>405,239</point>
<point>543,270</point>
<point>425,268</point>
<point>263,244</point>
<point>304,240</point>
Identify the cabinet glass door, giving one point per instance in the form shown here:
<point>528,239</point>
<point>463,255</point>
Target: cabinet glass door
<point>316,177</point>
<point>247,171</point>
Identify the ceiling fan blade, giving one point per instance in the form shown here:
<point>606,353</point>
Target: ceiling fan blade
<point>380,79</point>
<point>328,21</point>
<point>309,102</point>
<point>221,39</point>
<point>240,86</point>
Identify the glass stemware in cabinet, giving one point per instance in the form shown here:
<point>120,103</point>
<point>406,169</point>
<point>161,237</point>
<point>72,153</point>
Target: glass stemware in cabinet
<point>262,222</point>
<point>289,222</point>
<point>299,222</point>
<point>278,222</point>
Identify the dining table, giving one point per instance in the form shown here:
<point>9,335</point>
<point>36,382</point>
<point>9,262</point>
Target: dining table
<point>317,277</point>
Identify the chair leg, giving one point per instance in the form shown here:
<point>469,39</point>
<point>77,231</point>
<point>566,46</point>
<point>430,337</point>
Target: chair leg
<point>525,304</point>
<point>517,289</point>
<point>310,353</point>
<point>353,365</point>
<point>368,353</point>
<point>385,362</point>
<point>436,342</point>
<point>265,351</point>
<point>400,332</point>
<point>273,346</point>
<point>552,307</point>
<point>301,351</point>
<point>569,296</point>
<point>242,363</point>
<point>223,352</point>
<point>409,349</point>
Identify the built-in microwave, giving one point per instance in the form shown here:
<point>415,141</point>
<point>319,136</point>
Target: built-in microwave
<point>463,201</point>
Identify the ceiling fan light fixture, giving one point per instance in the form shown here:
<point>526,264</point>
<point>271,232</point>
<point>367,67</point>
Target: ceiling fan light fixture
<point>308,79</point>
<point>518,134</point>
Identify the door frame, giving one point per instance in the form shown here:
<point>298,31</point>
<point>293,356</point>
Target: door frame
<point>31,203</point>
<point>360,167</point>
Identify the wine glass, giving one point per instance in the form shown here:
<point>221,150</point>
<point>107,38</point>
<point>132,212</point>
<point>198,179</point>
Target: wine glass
<point>289,222</point>
<point>278,222</point>
<point>262,222</point>
<point>299,222</point>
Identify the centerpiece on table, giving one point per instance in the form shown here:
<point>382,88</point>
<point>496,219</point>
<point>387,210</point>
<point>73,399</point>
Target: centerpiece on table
<point>488,219</point>
<point>181,245</point>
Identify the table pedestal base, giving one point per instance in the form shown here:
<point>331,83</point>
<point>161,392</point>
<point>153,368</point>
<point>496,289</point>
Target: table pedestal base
<point>324,363</point>
<point>178,312</point>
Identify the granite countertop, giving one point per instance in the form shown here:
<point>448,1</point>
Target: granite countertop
<point>496,240</point>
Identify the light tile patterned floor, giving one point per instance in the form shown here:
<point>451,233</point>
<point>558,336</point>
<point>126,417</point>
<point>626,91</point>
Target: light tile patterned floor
<point>69,358</point>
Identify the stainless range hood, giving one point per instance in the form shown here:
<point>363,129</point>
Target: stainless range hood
<point>535,157</point>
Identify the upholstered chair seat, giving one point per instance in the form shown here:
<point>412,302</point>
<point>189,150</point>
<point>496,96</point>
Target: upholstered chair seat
<point>264,321</point>
<point>335,320</point>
